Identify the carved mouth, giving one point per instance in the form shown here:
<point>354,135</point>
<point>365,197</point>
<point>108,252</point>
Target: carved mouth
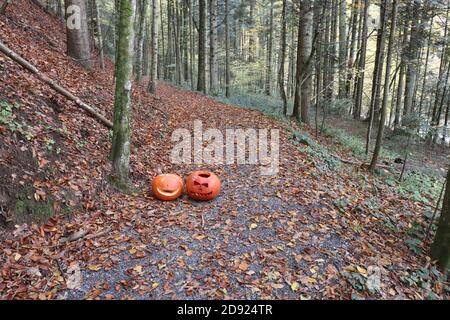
<point>196,194</point>
<point>167,192</point>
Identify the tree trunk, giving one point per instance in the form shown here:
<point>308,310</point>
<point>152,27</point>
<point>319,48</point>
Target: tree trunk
<point>153,49</point>
<point>380,133</point>
<point>213,67</point>
<point>440,249</point>
<point>412,54</point>
<point>425,71</point>
<point>362,63</point>
<point>342,47</point>
<point>281,83</point>
<point>268,79</point>
<point>227,54</point>
<point>99,35</point>
<point>351,56</point>
<point>140,39</point>
<point>201,81</point>
<point>377,75</point>
<point>77,32</point>
<point>303,75</point>
<point>122,103</point>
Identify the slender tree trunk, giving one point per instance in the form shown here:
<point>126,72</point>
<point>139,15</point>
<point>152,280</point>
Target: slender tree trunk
<point>412,54</point>
<point>281,83</point>
<point>362,63</point>
<point>140,40</point>
<point>351,56</point>
<point>303,76</point>
<point>377,75</point>
<point>425,71</point>
<point>213,66</point>
<point>201,81</point>
<point>342,47</point>
<point>177,38</point>
<point>153,49</point>
<point>121,130</point>
<point>191,44</point>
<point>251,42</point>
<point>268,82</point>
<point>386,88</point>
<point>99,35</point>
<point>440,84</point>
<point>332,47</point>
<point>227,53</point>
<point>327,86</point>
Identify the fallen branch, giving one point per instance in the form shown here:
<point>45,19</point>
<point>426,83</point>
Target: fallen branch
<point>83,234</point>
<point>90,110</point>
<point>356,163</point>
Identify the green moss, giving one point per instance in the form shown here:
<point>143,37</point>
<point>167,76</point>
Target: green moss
<point>26,210</point>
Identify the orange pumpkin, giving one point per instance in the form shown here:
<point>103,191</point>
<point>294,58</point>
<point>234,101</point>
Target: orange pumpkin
<point>167,186</point>
<point>202,185</point>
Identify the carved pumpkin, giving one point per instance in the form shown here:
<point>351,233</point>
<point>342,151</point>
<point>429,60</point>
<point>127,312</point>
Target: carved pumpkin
<point>202,185</point>
<point>167,186</point>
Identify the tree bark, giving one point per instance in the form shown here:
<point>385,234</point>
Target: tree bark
<point>380,133</point>
<point>140,40</point>
<point>362,63</point>
<point>227,54</point>
<point>99,35</point>
<point>342,47</point>
<point>377,75</point>
<point>153,49</point>
<point>213,66</point>
<point>303,74</point>
<point>268,78</point>
<point>122,104</point>
<point>201,81</point>
<point>351,56</point>
<point>281,76</point>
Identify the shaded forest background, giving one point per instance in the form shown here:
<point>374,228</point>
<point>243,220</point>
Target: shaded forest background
<point>333,53</point>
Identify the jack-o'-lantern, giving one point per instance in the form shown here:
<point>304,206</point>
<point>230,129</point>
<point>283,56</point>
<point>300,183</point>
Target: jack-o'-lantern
<point>202,185</point>
<point>167,186</point>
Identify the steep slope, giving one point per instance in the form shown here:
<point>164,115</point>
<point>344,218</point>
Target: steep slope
<point>311,231</point>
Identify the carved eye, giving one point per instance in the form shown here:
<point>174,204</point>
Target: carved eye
<point>196,183</point>
<point>205,185</point>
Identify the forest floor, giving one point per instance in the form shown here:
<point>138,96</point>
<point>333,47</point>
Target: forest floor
<point>319,229</point>
<point>423,156</point>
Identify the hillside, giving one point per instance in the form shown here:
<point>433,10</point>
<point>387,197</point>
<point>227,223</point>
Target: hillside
<point>318,229</point>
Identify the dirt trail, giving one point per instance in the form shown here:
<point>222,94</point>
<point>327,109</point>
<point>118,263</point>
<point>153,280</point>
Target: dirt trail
<point>248,243</point>
<point>263,237</point>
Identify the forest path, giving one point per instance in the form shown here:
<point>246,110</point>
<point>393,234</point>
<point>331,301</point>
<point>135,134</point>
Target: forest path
<point>256,240</point>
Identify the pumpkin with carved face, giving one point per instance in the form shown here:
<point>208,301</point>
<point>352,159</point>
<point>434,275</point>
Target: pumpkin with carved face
<point>167,186</point>
<point>202,185</point>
